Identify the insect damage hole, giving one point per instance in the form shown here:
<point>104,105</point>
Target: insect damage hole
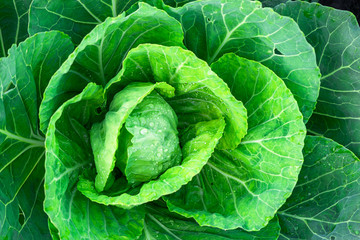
<point>277,52</point>
<point>98,110</point>
<point>9,87</point>
<point>21,218</point>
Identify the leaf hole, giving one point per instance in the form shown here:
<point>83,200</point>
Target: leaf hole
<point>208,19</point>
<point>277,52</point>
<point>9,87</point>
<point>98,110</point>
<point>21,217</point>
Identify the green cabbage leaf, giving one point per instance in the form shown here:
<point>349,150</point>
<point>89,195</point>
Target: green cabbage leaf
<point>326,201</point>
<point>178,119</point>
<point>335,37</point>
<point>25,74</point>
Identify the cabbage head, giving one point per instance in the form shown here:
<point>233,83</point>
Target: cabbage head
<point>160,120</point>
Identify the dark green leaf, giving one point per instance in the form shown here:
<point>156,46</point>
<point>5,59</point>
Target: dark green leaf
<point>325,203</point>
<point>73,17</point>
<point>13,23</point>
<point>335,36</point>
<point>23,76</point>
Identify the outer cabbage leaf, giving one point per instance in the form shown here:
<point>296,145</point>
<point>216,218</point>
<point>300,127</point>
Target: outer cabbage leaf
<point>68,153</point>
<point>160,224</point>
<point>73,17</point>
<point>200,95</point>
<point>245,187</point>
<point>13,23</point>
<point>99,56</point>
<point>215,27</point>
<point>335,36</point>
<point>23,76</point>
<point>325,203</point>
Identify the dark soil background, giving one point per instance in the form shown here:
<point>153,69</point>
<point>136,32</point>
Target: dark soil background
<point>350,5</point>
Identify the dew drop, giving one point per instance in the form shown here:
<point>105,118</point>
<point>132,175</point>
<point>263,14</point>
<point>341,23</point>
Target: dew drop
<point>143,131</point>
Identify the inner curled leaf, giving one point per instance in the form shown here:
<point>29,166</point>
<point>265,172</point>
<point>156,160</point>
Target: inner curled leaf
<point>138,135</point>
